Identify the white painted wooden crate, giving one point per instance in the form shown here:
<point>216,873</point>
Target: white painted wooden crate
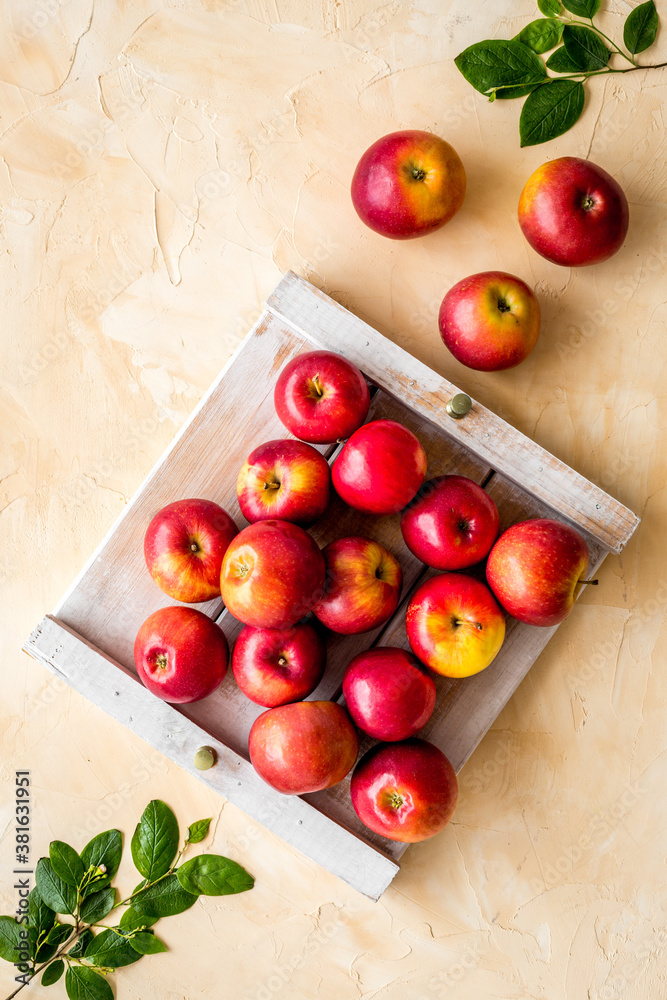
<point>89,638</point>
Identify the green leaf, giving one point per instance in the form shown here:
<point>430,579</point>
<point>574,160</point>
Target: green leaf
<point>560,62</point>
<point>133,921</point>
<point>542,34</point>
<point>147,944</point>
<point>155,840</point>
<point>82,942</point>
<point>198,831</point>
<point>97,906</point>
<point>41,919</point>
<point>508,93</point>
<point>59,933</point>
<point>13,940</point>
<point>582,8</point>
<point>213,875</point>
<point>56,893</point>
<point>53,972</point>
<point>104,849</point>
<point>640,28</point>
<point>111,949</point>
<point>40,916</point>
<point>164,899</point>
<point>66,863</point>
<point>497,63</point>
<point>550,8</point>
<point>586,50</point>
<point>82,983</point>
<point>550,110</point>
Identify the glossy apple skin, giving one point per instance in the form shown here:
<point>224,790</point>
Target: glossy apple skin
<point>380,468</point>
<point>284,479</point>
<point>180,654</point>
<point>448,648</point>
<point>363,585</point>
<point>534,570</point>
<point>303,747</point>
<point>451,524</point>
<point>490,321</point>
<point>573,212</point>
<point>321,397</point>
<point>272,575</point>
<point>408,184</point>
<point>404,791</point>
<point>184,546</point>
<point>276,666</point>
<point>388,693</point>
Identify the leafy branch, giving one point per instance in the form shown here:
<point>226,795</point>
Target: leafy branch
<point>502,69</point>
<point>79,886</point>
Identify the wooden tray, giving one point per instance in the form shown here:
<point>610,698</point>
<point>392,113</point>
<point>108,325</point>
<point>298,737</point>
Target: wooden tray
<point>89,638</point>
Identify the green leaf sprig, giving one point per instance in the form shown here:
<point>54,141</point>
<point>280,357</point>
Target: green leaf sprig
<point>502,69</point>
<point>78,886</point>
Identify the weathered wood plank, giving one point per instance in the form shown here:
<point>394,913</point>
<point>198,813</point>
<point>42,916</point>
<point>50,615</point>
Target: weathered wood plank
<point>327,324</point>
<point>121,695</point>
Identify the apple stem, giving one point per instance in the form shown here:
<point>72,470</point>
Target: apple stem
<point>194,547</point>
<point>464,621</point>
<point>593,583</point>
<point>271,486</point>
<point>318,385</point>
<point>282,661</point>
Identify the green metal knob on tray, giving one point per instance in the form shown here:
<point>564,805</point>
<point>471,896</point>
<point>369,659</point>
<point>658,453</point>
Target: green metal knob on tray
<point>205,758</point>
<point>459,405</point>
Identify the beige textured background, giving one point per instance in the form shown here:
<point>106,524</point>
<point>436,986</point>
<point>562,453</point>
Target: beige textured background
<point>160,166</point>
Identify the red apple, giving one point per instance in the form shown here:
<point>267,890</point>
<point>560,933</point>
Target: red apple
<point>408,184</point>
<point>303,747</point>
<point>284,479</point>
<point>380,468</point>
<point>321,397</point>
<point>275,666</point>
<point>454,625</point>
<point>405,791</point>
<point>363,585</point>
<point>180,654</point>
<point>573,212</point>
<point>388,693</point>
<point>536,569</point>
<point>451,524</point>
<point>184,547</point>
<point>490,321</point>
<point>272,575</point>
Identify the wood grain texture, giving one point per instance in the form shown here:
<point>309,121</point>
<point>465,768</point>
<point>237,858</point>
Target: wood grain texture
<point>329,325</point>
<point>121,695</point>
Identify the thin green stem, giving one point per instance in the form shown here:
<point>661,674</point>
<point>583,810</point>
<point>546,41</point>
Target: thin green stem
<point>606,72</point>
<point>583,75</point>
